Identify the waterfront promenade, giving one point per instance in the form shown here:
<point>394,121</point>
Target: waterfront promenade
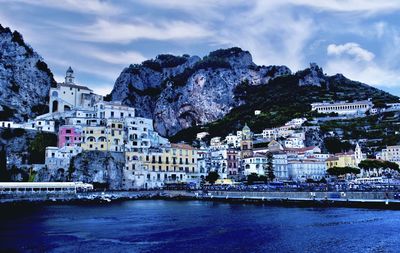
<point>350,199</point>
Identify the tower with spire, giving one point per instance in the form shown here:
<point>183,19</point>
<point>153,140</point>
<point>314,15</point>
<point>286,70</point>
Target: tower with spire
<point>69,76</point>
<point>246,144</point>
<point>358,155</point>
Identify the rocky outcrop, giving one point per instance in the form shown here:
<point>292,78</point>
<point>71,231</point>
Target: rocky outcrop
<point>183,91</point>
<point>25,79</point>
<point>99,168</point>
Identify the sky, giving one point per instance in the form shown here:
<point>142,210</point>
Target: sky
<point>98,39</point>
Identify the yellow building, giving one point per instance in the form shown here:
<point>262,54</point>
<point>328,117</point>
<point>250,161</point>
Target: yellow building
<point>115,135</point>
<point>342,160</point>
<point>94,138</point>
<point>175,163</point>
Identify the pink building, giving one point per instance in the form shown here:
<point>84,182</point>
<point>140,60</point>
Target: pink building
<point>233,163</point>
<point>69,136</point>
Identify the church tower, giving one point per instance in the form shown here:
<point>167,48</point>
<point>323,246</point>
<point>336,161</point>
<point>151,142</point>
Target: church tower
<point>69,76</point>
<point>246,144</point>
<point>358,155</point>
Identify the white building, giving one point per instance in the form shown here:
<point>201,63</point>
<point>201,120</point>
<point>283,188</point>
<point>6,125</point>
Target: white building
<point>294,142</point>
<point>342,107</point>
<point>38,125</point>
<point>255,164</point>
<point>296,122</point>
<point>280,165</point>
<point>59,158</point>
<point>68,95</point>
<point>390,153</point>
<point>232,140</point>
<point>113,110</point>
<point>303,169</point>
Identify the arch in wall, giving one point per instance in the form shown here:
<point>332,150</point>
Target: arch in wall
<point>67,108</point>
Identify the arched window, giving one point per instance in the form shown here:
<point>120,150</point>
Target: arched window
<point>55,106</point>
<point>54,94</point>
<point>91,139</point>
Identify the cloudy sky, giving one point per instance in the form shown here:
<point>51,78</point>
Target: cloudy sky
<point>359,38</point>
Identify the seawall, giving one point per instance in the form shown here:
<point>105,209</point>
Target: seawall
<point>383,200</point>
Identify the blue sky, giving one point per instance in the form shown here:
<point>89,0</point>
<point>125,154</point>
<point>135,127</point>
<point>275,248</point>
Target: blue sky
<point>359,38</point>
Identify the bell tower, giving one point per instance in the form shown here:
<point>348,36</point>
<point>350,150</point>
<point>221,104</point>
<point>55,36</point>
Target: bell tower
<point>69,76</point>
<point>246,144</point>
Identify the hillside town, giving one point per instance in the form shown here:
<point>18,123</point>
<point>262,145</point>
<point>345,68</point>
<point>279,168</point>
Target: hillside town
<point>84,121</point>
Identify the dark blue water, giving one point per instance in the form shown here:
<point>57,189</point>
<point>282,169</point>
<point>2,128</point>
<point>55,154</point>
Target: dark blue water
<point>192,226</point>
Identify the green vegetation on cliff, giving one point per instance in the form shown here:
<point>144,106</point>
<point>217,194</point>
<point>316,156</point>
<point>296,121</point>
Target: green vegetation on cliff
<point>282,99</point>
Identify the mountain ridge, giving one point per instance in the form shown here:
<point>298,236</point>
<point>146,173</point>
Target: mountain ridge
<point>180,92</point>
<point>25,79</point>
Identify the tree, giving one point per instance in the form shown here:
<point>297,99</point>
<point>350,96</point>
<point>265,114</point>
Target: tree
<point>254,177</point>
<point>378,164</point>
<point>37,147</point>
<point>385,167</point>
<point>341,171</point>
<point>212,177</point>
<point>269,170</point>
<point>4,174</point>
<point>335,145</point>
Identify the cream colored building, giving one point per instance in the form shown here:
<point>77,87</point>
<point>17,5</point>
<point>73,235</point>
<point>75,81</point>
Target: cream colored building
<point>158,166</point>
<point>68,95</point>
<point>343,107</point>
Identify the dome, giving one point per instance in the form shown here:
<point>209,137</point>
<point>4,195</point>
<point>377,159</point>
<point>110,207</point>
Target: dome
<point>246,128</point>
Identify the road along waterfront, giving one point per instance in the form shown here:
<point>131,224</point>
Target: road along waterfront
<point>385,200</point>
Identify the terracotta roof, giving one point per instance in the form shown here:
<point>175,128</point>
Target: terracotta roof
<point>300,150</point>
<point>332,158</point>
<point>181,146</point>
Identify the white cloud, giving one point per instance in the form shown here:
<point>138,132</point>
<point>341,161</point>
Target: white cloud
<point>119,32</point>
<point>124,58</point>
<point>98,7</point>
<point>351,49</point>
<point>369,72</point>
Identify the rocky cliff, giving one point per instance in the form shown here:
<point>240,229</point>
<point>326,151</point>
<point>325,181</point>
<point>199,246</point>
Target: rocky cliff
<point>182,91</point>
<point>102,169</point>
<point>25,79</point>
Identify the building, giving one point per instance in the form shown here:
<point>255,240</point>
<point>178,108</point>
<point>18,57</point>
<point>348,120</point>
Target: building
<point>294,142</point>
<point>94,138</point>
<point>159,166</point>
<point>343,107</point>
<point>303,169</point>
<point>215,142</point>
<point>69,135</point>
<point>115,135</point>
<point>342,160</point>
<point>233,163</point>
<point>68,95</point>
<point>246,143</point>
<point>232,140</point>
<point>113,110</point>
<point>296,122</point>
<point>280,165</point>
<point>254,164</point>
<point>58,159</point>
<point>302,152</point>
<point>390,153</point>
<point>37,125</point>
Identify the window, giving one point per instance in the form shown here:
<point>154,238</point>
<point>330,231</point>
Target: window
<point>112,114</point>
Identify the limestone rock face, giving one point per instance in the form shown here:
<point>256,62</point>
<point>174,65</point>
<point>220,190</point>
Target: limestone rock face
<point>98,167</point>
<point>25,79</point>
<point>182,91</point>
